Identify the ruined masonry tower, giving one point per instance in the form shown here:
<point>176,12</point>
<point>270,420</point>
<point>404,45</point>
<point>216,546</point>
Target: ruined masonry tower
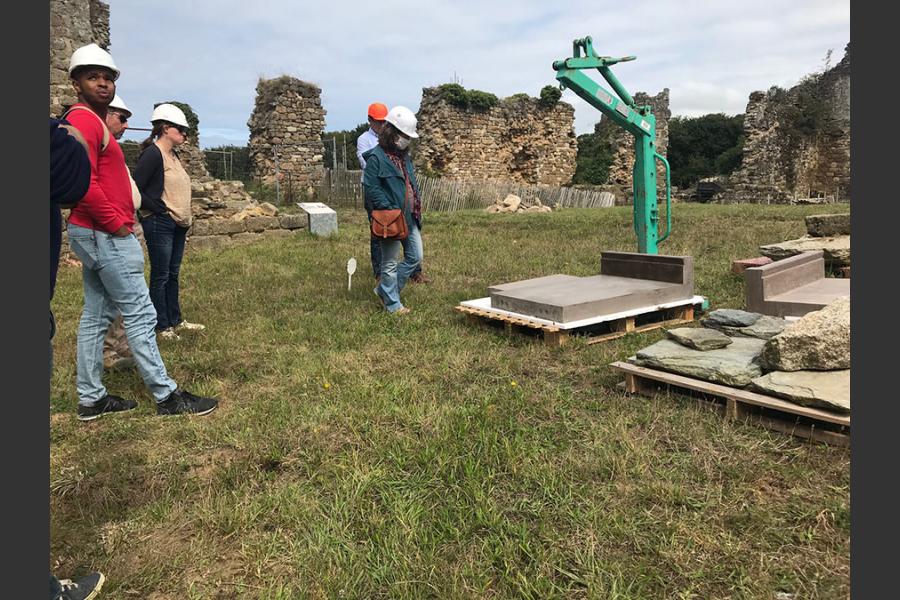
<point>286,133</point>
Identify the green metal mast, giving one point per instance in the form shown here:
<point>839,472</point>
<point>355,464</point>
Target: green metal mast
<point>638,121</point>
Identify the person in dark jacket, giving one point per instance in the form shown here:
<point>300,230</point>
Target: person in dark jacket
<point>70,176</point>
<point>165,188</point>
<point>389,182</point>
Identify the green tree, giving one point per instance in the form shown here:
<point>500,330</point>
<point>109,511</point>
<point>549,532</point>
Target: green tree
<point>550,95</point>
<point>595,154</point>
<point>704,146</point>
<point>344,144</point>
<point>460,97</point>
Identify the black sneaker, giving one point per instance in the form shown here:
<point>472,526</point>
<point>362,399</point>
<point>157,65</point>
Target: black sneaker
<point>107,404</point>
<point>83,589</point>
<point>183,402</point>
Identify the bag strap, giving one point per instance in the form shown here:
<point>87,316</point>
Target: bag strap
<point>105,141</point>
<point>406,186</point>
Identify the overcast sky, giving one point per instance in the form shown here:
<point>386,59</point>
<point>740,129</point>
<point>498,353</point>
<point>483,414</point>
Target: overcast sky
<point>210,53</point>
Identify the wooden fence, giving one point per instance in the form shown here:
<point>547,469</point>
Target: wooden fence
<point>344,189</point>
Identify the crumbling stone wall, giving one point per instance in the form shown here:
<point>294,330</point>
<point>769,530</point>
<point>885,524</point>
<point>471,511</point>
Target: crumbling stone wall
<point>225,215</point>
<point>73,23</point>
<point>622,142</point>
<point>288,121</point>
<point>516,140</point>
<point>797,143</point>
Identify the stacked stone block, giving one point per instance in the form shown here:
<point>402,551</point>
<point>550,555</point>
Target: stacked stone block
<point>226,215</point>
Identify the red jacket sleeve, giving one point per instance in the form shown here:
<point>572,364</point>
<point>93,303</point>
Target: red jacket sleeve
<point>95,203</point>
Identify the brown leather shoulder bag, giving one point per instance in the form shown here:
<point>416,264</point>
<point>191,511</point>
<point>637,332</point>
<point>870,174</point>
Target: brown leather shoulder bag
<point>390,224</point>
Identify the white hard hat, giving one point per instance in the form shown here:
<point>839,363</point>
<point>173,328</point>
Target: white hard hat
<point>92,55</point>
<point>170,113</point>
<point>119,104</point>
<point>403,119</point>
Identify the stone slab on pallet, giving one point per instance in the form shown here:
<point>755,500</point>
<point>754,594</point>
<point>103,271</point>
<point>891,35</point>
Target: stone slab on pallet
<point>611,326</point>
<point>738,404</point>
<point>627,281</point>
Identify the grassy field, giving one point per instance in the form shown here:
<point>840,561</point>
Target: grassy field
<point>357,454</point>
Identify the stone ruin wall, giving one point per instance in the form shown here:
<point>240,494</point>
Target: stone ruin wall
<point>289,119</point>
<point>779,167</point>
<point>622,142</point>
<point>226,215</point>
<point>516,140</point>
<point>73,23</point>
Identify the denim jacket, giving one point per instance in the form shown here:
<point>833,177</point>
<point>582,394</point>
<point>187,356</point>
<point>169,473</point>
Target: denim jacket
<point>384,186</point>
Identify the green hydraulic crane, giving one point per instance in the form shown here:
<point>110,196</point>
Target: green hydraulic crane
<point>636,120</point>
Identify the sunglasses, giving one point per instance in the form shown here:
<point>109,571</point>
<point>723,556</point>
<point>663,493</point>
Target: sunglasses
<point>182,130</point>
<point>122,118</point>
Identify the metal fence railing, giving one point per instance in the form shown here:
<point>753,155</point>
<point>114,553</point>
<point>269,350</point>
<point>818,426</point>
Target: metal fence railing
<point>344,189</point>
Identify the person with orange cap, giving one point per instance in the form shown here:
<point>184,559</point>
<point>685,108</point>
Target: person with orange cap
<point>365,142</point>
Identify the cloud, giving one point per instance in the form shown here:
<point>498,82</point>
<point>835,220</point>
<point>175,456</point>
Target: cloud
<point>210,54</point>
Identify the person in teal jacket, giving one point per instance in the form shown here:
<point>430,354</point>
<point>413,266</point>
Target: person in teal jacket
<point>389,182</point>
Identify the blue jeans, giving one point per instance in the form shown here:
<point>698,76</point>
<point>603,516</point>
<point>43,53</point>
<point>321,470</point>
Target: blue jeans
<point>113,277</point>
<point>375,249</point>
<point>165,245</point>
<point>395,274</point>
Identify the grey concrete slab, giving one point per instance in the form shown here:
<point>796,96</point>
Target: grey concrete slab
<point>628,281</point>
<point>537,282</point>
<point>562,299</point>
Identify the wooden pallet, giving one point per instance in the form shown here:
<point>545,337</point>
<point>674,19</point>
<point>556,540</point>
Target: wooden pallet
<point>772,413</point>
<point>554,336</point>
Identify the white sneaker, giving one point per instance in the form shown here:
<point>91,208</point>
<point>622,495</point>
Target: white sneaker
<point>168,334</point>
<point>190,326</point>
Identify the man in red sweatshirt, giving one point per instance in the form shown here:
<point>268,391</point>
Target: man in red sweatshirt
<point>100,230</point>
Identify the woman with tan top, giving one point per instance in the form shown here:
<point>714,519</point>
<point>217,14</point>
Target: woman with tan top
<point>165,214</point>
